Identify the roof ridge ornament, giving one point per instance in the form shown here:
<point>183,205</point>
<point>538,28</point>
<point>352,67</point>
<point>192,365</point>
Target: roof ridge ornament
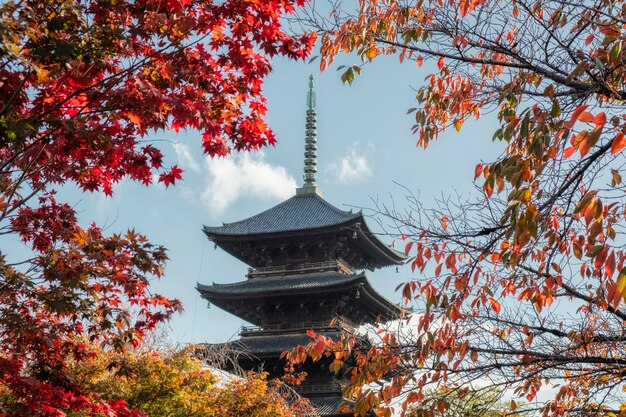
<point>310,146</point>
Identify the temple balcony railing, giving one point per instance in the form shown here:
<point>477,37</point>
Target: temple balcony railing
<point>338,265</point>
<point>313,388</point>
<point>282,328</point>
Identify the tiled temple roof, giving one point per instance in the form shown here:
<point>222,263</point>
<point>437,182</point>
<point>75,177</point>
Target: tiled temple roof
<point>327,406</point>
<point>306,216</point>
<point>245,297</point>
<point>289,284</point>
<point>301,212</point>
<point>276,344</point>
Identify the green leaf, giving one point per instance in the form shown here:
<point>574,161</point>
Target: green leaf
<point>615,51</point>
<point>348,76</point>
<point>524,128</point>
<point>510,128</point>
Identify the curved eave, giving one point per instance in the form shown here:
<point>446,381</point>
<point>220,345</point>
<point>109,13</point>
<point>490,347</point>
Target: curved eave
<point>234,291</point>
<point>382,250</point>
<point>384,254</point>
<point>379,301</point>
<point>222,294</point>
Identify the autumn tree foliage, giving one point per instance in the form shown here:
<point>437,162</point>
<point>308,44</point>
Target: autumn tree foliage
<point>521,288</point>
<point>173,383</point>
<point>82,82</point>
<point>477,404</point>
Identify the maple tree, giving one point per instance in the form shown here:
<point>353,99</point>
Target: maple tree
<point>82,82</point>
<point>521,288</point>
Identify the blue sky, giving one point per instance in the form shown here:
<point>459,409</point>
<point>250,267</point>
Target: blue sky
<point>364,143</point>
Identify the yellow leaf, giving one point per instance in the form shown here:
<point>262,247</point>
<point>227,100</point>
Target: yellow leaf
<point>621,283</point>
<point>42,75</point>
<point>458,124</point>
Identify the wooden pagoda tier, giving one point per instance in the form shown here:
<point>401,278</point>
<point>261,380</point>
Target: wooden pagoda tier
<point>260,348</point>
<point>306,259</point>
<point>303,229</point>
<point>285,300</point>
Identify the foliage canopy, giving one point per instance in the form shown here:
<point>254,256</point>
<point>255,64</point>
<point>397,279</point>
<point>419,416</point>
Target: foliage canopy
<point>522,288</point>
<point>82,82</point>
<point>172,383</point>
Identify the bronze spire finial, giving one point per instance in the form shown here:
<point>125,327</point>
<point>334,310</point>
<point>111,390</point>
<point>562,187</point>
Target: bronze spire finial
<point>310,145</point>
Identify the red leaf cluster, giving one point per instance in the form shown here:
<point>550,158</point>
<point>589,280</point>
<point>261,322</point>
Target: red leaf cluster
<point>81,83</point>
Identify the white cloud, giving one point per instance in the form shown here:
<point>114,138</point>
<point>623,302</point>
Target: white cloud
<point>244,176</point>
<point>352,166</point>
<point>185,157</point>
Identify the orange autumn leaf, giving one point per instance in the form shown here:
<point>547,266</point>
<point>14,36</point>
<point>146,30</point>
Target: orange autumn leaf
<point>584,146</point>
<point>488,189</point>
<point>495,305</point>
<point>320,345</point>
<point>477,171</point>
<point>569,152</point>
<point>619,142</point>
<point>620,288</point>
<point>455,314</point>
<point>600,119</point>
<point>412,397</point>
<point>575,115</point>
<point>407,248</point>
<point>586,117</point>
<point>135,118</point>
<point>464,7</point>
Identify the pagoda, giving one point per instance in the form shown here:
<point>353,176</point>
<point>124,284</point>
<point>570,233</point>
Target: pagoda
<point>306,263</point>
